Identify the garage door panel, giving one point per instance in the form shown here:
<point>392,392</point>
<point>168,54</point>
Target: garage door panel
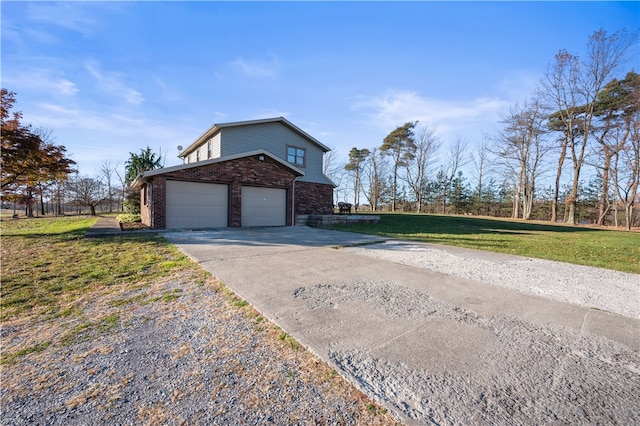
<point>264,206</point>
<point>196,204</point>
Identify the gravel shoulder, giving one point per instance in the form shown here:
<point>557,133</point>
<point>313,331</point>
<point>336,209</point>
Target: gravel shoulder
<point>603,289</point>
<point>177,352</point>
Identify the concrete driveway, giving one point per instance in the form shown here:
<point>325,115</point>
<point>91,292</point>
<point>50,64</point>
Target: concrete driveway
<point>431,347</point>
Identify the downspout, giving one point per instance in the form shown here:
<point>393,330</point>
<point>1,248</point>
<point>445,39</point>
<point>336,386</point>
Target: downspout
<point>293,202</point>
<point>151,200</point>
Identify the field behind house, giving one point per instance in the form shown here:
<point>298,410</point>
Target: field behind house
<point>603,248</point>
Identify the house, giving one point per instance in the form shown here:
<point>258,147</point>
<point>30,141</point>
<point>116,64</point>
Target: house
<point>248,173</point>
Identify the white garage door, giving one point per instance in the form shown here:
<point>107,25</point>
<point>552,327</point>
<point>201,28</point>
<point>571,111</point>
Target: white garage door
<point>196,205</point>
<point>264,206</point>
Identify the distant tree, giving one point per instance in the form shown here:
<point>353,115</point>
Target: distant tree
<point>615,108</point>
<point>122,190</point>
<point>30,162</point>
<point>488,196</point>
<point>376,187</point>
<point>86,191</point>
<point>400,146</point>
<point>357,158</point>
<point>480,159</point>
<point>627,172</point>
<point>417,166</point>
<point>460,195</point>
<point>140,163</point>
<point>521,147</point>
<point>136,164</point>
<point>106,175</point>
<point>329,165</point>
<point>573,88</point>
<point>457,157</point>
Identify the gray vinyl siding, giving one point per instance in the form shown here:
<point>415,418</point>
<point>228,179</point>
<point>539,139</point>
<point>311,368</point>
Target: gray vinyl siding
<point>275,138</point>
<point>202,149</point>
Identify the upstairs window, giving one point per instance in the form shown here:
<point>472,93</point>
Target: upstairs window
<point>209,150</point>
<point>295,156</point>
<point>197,154</point>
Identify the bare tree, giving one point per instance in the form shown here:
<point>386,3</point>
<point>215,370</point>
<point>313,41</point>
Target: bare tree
<point>329,166</point>
<point>480,160</point>
<point>457,157</point>
<point>375,183</point>
<point>572,88</point>
<point>521,147</point>
<point>123,186</point>
<point>86,191</point>
<point>627,171</point>
<point>106,174</point>
<point>417,167</point>
<point>560,86</point>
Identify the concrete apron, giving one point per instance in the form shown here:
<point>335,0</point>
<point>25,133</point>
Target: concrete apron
<point>297,280</point>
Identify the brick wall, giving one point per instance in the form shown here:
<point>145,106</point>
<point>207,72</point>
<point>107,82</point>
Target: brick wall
<point>314,198</point>
<point>244,171</point>
<point>145,209</point>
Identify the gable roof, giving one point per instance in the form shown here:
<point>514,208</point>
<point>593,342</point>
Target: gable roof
<point>217,127</point>
<point>137,183</point>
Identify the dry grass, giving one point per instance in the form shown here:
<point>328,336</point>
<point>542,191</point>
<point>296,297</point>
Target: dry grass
<point>69,316</point>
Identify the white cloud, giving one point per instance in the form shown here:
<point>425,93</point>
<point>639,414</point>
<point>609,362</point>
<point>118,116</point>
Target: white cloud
<point>256,68</point>
<point>71,16</point>
<point>44,81</point>
<point>113,84</point>
<point>94,135</point>
<point>450,118</point>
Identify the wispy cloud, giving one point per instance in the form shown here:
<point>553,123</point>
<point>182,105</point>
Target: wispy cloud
<point>257,68</point>
<point>109,134</point>
<point>43,80</point>
<point>73,17</point>
<point>113,84</point>
<point>271,113</point>
<point>396,107</point>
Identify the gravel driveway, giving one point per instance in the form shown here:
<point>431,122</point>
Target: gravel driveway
<point>435,335</point>
<point>444,335</point>
<point>182,352</point>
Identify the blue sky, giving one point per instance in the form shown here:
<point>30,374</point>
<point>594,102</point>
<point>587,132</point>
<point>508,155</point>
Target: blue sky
<point>111,78</point>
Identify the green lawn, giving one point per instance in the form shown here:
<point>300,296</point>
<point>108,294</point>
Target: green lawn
<point>618,250</point>
<point>48,265</point>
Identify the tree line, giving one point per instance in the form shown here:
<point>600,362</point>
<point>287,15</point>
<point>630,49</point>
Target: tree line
<point>580,116</point>
<point>36,173</point>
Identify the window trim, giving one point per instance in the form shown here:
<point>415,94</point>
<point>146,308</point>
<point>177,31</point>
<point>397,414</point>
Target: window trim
<point>296,156</point>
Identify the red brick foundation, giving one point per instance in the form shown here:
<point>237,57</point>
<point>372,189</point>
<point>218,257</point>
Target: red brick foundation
<point>313,198</point>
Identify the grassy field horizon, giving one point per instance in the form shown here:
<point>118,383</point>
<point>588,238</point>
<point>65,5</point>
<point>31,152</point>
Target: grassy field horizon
<point>582,245</point>
<point>588,245</point>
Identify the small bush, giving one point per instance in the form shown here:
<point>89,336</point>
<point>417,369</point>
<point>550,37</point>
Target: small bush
<point>129,218</point>
<point>132,206</point>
